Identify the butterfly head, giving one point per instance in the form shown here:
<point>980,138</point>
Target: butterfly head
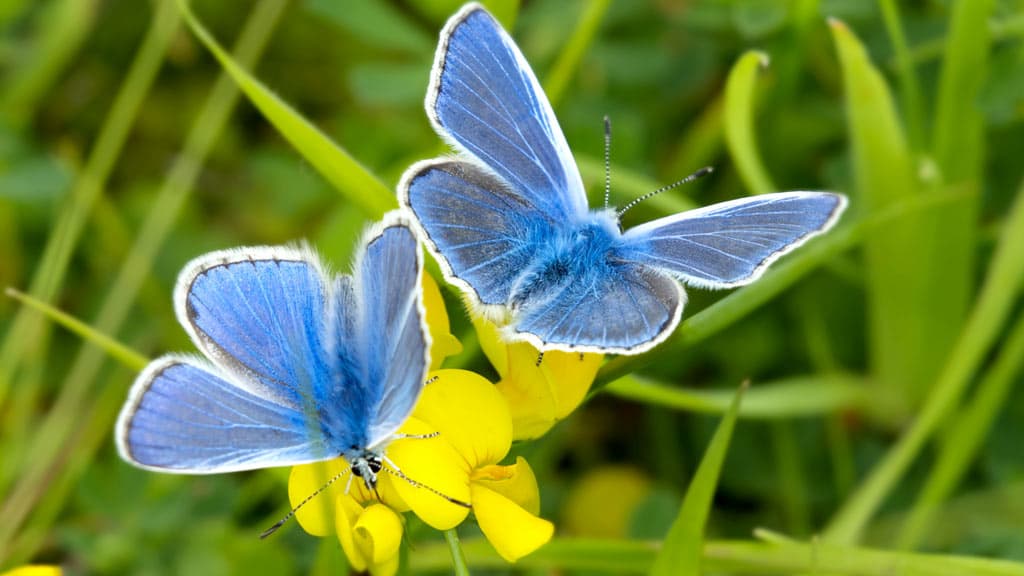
<point>367,465</point>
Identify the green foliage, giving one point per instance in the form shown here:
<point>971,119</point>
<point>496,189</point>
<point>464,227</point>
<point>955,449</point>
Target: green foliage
<point>883,414</point>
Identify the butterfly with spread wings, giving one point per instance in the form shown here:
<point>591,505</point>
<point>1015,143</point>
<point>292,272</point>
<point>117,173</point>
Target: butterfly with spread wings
<point>508,219</point>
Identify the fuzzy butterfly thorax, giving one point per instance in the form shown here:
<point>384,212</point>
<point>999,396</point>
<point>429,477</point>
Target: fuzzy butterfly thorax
<point>569,257</point>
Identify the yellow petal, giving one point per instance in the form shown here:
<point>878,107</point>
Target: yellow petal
<point>316,516</point>
<point>570,375</point>
<point>494,347</point>
<point>512,531</point>
<point>602,503</point>
<point>377,534</point>
<point>348,515</point>
<point>469,413</point>
<point>37,570</point>
<point>443,343</point>
<point>434,463</point>
<point>540,396</point>
<point>388,568</point>
<point>515,482</point>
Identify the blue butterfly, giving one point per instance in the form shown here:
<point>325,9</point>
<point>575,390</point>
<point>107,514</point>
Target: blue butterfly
<point>509,224</point>
<point>302,366</point>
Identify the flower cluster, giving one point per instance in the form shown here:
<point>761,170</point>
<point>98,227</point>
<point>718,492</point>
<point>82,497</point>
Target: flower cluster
<point>450,451</point>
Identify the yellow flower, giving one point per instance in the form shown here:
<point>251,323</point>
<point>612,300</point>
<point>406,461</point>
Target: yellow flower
<point>443,343</point>
<point>470,432</point>
<point>369,536</point>
<point>462,462</point>
<point>538,396</point>
<point>369,531</point>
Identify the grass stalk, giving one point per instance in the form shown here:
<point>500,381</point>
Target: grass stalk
<point>54,434</point>
<point>562,72</point>
<point>998,294</point>
<point>25,330</point>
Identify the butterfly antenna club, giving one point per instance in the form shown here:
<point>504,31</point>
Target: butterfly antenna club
<point>292,512</point>
<point>698,174</point>
<point>607,161</point>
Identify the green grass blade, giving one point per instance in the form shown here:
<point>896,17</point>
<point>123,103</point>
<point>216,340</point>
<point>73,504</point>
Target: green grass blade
<point>64,25</point>
<point>999,293</point>
<point>958,121</point>
<point>740,91</point>
<point>1009,27</point>
<point>910,89</point>
<point>907,339</point>
<point>681,550</point>
<point>793,495</point>
<point>115,349</point>
<point>964,437</point>
<point>25,330</point>
<point>561,73</point>
<point>959,150</point>
<point>791,398</point>
<point>54,432</point>
<point>349,177</point>
<point>780,556</point>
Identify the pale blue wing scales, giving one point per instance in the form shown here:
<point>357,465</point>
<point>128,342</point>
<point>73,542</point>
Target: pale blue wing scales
<point>393,332</point>
<point>731,243</point>
<point>483,235</point>
<point>182,417</point>
<point>486,101</point>
<point>261,313</point>
<point>624,309</point>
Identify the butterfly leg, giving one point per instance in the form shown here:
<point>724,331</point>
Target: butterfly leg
<point>540,358</point>
<point>348,484</point>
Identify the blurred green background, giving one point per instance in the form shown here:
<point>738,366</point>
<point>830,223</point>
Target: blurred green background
<point>883,358</point>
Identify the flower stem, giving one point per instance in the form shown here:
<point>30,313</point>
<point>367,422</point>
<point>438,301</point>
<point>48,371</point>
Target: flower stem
<point>458,557</point>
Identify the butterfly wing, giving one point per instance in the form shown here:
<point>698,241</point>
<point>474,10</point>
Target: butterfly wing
<point>481,233</point>
<point>624,308</point>
<point>260,314</point>
<point>183,416</point>
<point>391,331</point>
<point>731,243</point>
<point>484,99</point>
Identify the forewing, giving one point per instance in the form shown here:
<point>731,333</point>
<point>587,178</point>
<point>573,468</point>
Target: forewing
<point>621,309</point>
<point>732,243</point>
<point>482,234</point>
<point>484,99</point>
<point>261,313</point>
<point>392,329</point>
<point>181,416</point>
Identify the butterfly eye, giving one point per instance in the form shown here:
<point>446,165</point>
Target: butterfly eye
<point>374,464</point>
